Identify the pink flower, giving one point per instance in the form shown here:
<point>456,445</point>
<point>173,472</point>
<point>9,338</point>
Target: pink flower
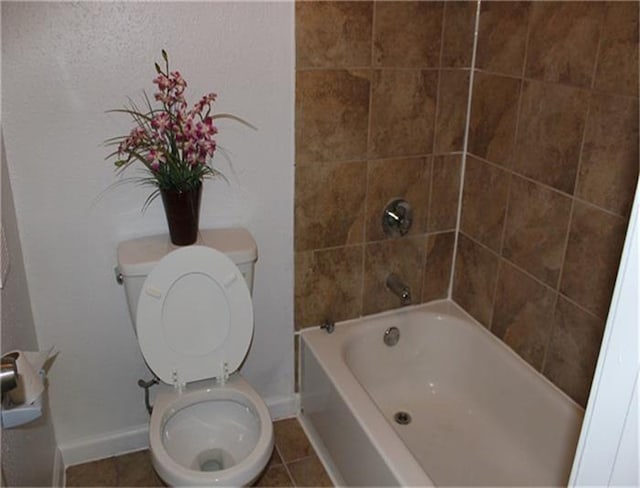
<point>161,122</point>
<point>162,81</point>
<point>155,159</point>
<point>175,140</point>
<point>205,101</point>
<point>162,97</point>
<point>210,129</point>
<point>177,80</point>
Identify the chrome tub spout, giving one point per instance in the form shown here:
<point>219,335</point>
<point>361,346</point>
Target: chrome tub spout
<point>399,288</point>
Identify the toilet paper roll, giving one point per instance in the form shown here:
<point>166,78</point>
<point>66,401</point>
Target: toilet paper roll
<point>30,381</point>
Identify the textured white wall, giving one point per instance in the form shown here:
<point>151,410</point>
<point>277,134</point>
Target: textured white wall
<point>63,65</point>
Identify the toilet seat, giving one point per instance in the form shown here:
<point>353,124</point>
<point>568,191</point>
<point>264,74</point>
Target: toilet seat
<point>195,316</point>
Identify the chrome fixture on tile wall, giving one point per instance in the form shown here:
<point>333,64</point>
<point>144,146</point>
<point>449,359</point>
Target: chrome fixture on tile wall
<point>397,218</point>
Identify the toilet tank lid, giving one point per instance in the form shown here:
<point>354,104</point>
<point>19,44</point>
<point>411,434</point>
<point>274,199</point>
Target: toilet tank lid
<point>137,257</point>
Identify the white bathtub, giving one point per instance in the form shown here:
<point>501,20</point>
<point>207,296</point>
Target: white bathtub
<point>480,414</point>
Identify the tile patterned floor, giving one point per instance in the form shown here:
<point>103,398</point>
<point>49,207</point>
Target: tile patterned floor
<point>293,463</point>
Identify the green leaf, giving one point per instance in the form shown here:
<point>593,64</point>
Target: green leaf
<point>234,117</point>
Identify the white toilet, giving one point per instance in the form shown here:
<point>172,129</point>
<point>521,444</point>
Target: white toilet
<point>193,317</point>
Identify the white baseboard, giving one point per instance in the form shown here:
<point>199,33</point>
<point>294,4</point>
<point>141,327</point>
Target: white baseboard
<point>284,406</point>
<point>137,438</point>
<point>105,445</point>
<point>58,475</point>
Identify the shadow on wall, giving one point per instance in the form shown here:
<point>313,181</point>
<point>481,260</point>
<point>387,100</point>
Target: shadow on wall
<point>28,452</point>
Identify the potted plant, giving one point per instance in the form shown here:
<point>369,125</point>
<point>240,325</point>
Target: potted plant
<point>175,145</point>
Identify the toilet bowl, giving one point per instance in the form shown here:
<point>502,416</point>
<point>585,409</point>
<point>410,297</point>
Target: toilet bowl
<point>211,435</point>
<point>194,324</point>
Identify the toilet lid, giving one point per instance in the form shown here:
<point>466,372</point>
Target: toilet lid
<point>195,317</point>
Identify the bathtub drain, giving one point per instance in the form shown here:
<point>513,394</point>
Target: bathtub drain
<point>402,418</point>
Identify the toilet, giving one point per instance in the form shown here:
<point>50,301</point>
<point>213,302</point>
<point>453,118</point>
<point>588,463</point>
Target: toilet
<point>193,316</point>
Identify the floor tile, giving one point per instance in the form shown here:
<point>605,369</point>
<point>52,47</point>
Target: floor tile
<point>135,469</point>
<point>274,476</point>
<point>275,459</point>
<point>309,472</point>
<point>291,440</point>
<point>96,473</point>
<point>292,454</point>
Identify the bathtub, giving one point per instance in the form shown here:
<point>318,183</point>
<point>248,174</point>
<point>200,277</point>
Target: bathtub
<point>478,414</point>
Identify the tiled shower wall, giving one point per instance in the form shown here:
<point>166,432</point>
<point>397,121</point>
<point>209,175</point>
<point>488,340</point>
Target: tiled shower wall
<point>381,100</point>
<point>551,164</point>
<point>550,175</point>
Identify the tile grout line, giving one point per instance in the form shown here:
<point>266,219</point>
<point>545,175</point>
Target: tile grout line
<point>479,70</point>
<point>501,249</point>
<point>465,147</point>
<point>380,68</point>
<point>573,196</point>
<point>377,241</point>
<point>529,275</point>
<point>556,83</point>
<point>512,156</point>
<point>363,259</point>
<point>432,157</point>
<point>550,188</point>
<point>318,162</point>
<point>286,466</point>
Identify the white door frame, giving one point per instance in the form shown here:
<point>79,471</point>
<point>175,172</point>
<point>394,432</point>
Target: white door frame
<point>607,452</point>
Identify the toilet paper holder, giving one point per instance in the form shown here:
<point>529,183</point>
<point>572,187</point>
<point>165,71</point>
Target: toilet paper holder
<point>8,373</point>
<point>18,379</point>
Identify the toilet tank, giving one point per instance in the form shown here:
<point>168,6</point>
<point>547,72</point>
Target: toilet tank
<point>137,257</point>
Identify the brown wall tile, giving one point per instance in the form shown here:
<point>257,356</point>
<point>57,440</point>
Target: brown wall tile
<point>405,257</point>
<point>494,110</point>
<point>399,178</point>
<point>536,229</point>
<point>552,119</point>
<point>452,110</point>
<point>322,193</point>
<point>573,350</point>
<point>459,24</point>
<point>407,34</point>
<point>563,41</point>
<point>333,111</point>
<point>617,69</point>
<point>502,36</point>
<point>403,112</point>
<point>333,34</point>
<point>522,314</point>
<point>333,125</point>
<point>328,285</point>
<point>609,167</point>
<point>475,279</point>
<point>592,259</point>
<point>445,188</point>
<point>484,202</point>
<point>437,271</point>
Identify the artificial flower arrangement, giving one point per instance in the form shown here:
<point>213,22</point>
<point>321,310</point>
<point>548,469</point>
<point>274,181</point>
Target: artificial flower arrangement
<point>174,144</point>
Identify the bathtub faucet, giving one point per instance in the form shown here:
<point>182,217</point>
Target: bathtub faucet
<point>399,288</point>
